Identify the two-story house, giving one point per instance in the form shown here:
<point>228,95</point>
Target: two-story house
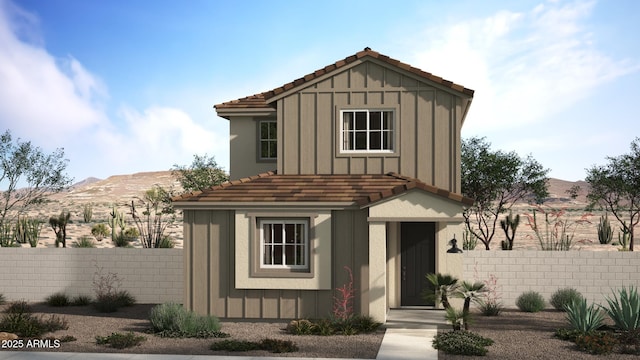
<point>357,165</point>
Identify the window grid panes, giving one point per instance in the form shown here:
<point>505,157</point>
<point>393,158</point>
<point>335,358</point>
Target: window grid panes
<point>367,130</point>
<point>268,142</point>
<point>284,244</point>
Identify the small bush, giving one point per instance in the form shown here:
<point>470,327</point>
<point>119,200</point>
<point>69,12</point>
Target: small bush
<point>111,302</point>
<point>67,338</point>
<point>120,240</point>
<point>173,320</point>
<point>81,300</point>
<point>166,243</point>
<point>596,343</point>
<point>461,343</point>
<point>131,233</point>
<point>85,242</point>
<point>58,299</point>
<point>120,341</point>
<point>24,324</point>
<point>19,306</point>
<point>2,299</point>
<point>564,297</point>
<point>568,334</point>
<point>630,342</point>
<point>302,327</point>
<point>99,231</point>
<point>271,345</point>
<point>352,325</point>
<point>530,301</point>
<point>490,308</point>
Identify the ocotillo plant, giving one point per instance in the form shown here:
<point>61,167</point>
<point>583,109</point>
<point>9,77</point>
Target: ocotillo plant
<point>509,226</point>
<point>87,212</point>
<point>28,231</point>
<point>116,219</point>
<point>605,233</point>
<point>59,226</point>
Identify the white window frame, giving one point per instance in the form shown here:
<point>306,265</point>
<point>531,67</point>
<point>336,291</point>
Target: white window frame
<point>269,139</point>
<point>305,243</point>
<point>391,132</point>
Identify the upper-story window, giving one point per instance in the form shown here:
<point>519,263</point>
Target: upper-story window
<point>367,130</point>
<point>268,140</point>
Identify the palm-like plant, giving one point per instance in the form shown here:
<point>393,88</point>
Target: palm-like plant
<point>625,311</point>
<point>582,317</point>
<point>443,285</point>
<point>469,292</point>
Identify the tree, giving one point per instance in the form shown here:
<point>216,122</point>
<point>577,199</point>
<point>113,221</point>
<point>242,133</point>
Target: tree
<point>203,173</point>
<point>616,187</point>
<point>497,180</point>
<point>37,173</point>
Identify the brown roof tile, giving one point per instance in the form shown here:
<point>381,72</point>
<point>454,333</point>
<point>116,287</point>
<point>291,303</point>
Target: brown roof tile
<point>261,100</point>
<point>361,190</point>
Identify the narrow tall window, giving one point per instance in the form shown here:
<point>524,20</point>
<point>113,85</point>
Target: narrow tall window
<point>367,130</point>
<point>268,140</point>
<point>284,244</point>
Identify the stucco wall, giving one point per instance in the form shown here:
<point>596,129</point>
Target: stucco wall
<point>151,275</point>
<point>592,273</point>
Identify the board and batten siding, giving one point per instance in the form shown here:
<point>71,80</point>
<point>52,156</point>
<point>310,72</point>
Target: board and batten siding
<point>426,149</point>
<point>210,280</point>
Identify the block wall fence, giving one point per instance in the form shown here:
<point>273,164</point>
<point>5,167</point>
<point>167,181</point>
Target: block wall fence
<point>151,275</point>
<point>594,273</point>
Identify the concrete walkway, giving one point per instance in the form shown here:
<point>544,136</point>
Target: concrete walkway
<point>408,337</point>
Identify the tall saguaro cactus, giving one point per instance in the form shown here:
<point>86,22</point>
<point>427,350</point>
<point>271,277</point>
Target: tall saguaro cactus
<point>116,219</point>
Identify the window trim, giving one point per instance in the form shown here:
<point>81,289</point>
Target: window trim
<point>255,245</point>
<point>259,140</point>
<point>394,132</point>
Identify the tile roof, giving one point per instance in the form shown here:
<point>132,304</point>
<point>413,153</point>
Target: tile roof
<point>362,190</point>
<point>261,100</point>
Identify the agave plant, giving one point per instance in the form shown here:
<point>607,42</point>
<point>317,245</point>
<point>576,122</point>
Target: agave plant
<point>443,285</point>
<point>582,317</point>
<point>625,311</point>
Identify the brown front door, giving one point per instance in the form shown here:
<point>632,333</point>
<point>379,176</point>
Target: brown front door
<point>418,257</point>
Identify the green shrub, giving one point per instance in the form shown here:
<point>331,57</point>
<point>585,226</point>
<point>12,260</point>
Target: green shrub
<point>461,343</point>
<point>57,299</point>
<point>563,297</point>
<point>120,341</point>
<point>132,233</point>
<point>490,308</point>
<point>568,334</point>
<point>271,345</point>
<point>100,231</point>
<point>166,243</point>
<point>625,310</point>
<point>530,301</point>
<point>87,212</point>
<point>120,240</point>
<point>81,300</point>
<point>20,321</point>
<point>68,338</point>
<point>173,320</point>
<point>352,325</point>
<point>2,299</point>
<point>582,317</point>
<point>19,306</point>
<point>596,343</point>
<point>303,327</point>
<point>85,242</point>
<point>111,302</point>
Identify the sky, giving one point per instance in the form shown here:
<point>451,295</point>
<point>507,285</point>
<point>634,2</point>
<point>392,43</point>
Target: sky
<point>129,86</point>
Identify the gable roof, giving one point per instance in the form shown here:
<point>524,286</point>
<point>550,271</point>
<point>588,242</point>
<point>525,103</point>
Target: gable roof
<point>360,190</point>
<point>261,100</point>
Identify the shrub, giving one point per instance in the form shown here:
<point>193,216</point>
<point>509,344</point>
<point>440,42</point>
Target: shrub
<point>490,308</point>
<point>355,324</point>
<point>461,343</point>
<point>81,300</point>
<point>120,240</point>
<point>596,343</point>
<point>120,341</point>
<point>625,310</point>
<point>582,317</point>
<point>113,301</point>
<point>84,242</point>
<point>166,243</point>
<point>87,212</point>
<point>302,327</point>
<point>271,345</point>
<point>173,320</point>
<point>630,341</point>
<point>563,297</point>
<point>68,338</point>
<point>530,301</point>
<point>20,321</point>
<point>20,306</point>
<point>568,334</point>
<point>131,233</point>
<point>57,299</point>
<point>100,231</point>
<point>2,299</point>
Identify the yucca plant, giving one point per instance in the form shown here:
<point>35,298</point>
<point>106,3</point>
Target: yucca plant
<point>625,310</point>
<point>582,317</point>
<point>442,285</point>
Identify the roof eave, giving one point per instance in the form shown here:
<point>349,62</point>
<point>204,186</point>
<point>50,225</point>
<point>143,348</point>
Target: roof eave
<point>228,113</point>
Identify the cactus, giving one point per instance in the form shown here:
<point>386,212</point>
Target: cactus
<point>605,233</point>
<point>59,226</point>
<point>468,242</point>
<point>7,237</point>
<point>509,226</point>
<point>116,219</point>
<point>27,231</point>
<point>624,239</point>
<point>87,212</point>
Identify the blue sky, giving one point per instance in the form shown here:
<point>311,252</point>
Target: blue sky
<point>129,86</point>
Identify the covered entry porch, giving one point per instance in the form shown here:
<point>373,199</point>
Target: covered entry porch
<point>408,238</point>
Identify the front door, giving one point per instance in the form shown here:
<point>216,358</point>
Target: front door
<point>418,257</point>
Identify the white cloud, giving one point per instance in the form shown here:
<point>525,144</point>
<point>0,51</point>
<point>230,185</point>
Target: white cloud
<point>524,66</point>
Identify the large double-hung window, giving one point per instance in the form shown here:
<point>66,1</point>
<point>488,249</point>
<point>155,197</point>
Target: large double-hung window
<point>367,130</point>
<point>284,244</point>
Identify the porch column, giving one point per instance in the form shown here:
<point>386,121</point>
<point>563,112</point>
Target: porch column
<point>377,270</point>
